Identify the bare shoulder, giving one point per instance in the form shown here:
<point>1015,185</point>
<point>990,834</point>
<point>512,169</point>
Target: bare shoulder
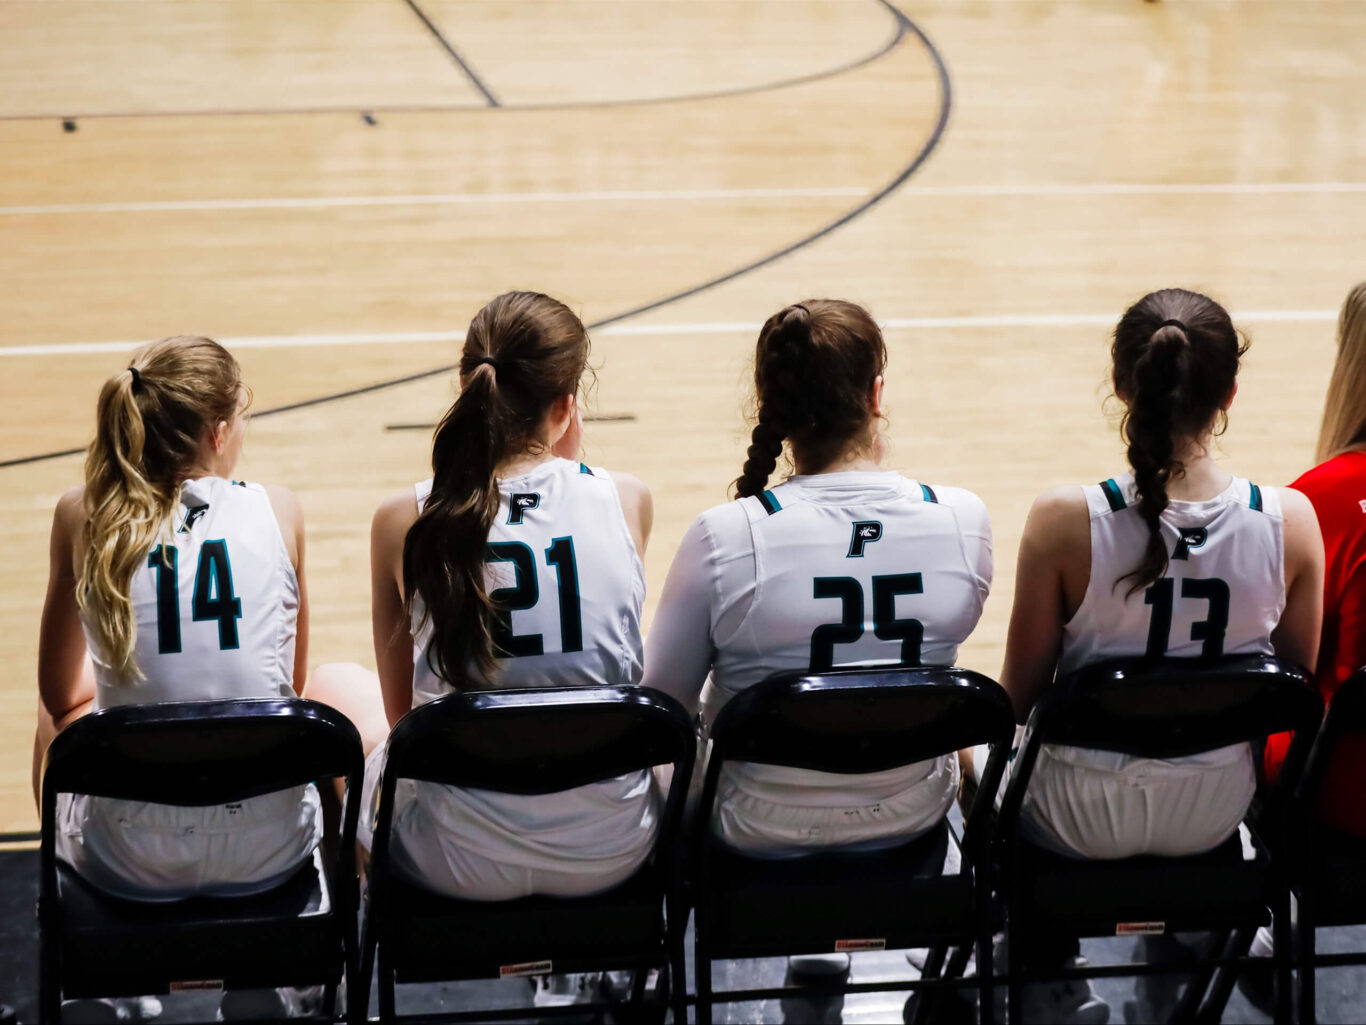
<point>285,503</point>
<point>629,486</point>
<point>395,514</point>
<point>1059,517</point>
<point>68,517</point>
<point>1301,522</point>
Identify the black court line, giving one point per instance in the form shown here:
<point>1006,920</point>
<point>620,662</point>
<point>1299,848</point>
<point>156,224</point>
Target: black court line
<point>899,29</point>
<point>945,107</point>
<point>455,54</point>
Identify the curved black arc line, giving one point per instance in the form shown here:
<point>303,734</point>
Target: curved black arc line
<point>460,61</point>
<point>898,33</point>
<point>931,144</point>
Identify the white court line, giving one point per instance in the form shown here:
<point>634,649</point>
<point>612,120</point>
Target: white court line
<point>1140,189</point>
<point>435,199</point>
<point>685,195</point>
<point>1005,320</point>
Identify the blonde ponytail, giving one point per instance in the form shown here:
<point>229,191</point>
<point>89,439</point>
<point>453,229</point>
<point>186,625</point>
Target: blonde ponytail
<point>1344,410</point>
<point>150,425</point>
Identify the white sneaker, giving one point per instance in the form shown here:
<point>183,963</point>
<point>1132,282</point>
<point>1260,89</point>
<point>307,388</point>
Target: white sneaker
<point>120,1009</point>
<point>563,990</point>
<point>1064,1001</point>
<point>269,1004</point>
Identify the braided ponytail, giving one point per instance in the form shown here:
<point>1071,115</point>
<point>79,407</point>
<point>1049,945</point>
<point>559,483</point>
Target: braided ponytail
<point>814,368</point>
<point>1175,357</point>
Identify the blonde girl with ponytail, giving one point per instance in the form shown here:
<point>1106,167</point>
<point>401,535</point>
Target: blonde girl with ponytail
<point>515,564</point>
<point>171,582</point>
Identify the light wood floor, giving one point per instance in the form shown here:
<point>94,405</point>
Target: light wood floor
<point>221,177</point>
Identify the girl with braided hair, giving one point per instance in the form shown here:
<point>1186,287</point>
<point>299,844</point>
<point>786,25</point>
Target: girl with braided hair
<point>1177,558</point>
<point>841,564</point>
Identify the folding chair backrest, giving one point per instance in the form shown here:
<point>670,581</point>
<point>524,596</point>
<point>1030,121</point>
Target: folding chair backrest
<point>1343,722</point>
<point>1176,708</point>
<point>861,720</point>
<point>538,741</point>
<point>201,752</point>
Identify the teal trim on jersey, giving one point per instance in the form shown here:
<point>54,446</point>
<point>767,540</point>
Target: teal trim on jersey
<point>1256,500</point>
<point>769,502</point>
<point>927,493</point>
<point>583,468</point>
<point>1112,494</point>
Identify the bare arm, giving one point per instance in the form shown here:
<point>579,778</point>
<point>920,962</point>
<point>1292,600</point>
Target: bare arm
<point>388,621</point>
<point>638,506</point>
<point>63,685</point>
<point>1296,636</point>
<point>1050,579</point>
<point>290,515</point>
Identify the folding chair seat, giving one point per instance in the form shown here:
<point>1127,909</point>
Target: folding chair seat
<point>538,741</point>
<point>1162,710</point>
<point>848,721</point>
<point>300,933</point>
<point>1328,877</point>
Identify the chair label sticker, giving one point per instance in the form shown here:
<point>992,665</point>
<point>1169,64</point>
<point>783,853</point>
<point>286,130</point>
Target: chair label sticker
<point>192,985</point>
<point>1140,928</point>
<point>849,946</point>
<point>509,971</point>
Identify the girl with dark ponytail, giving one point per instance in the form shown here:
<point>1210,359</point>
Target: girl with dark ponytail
<point>514,565</point>
<point>1180,558</point>
<point>840,563</point>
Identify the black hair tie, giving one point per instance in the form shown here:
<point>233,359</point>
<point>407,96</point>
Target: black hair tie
<point>486,359</point>
<point>137,378</point>
<point>1172,323</point>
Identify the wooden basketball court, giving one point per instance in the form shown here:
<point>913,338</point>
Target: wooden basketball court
<point>333,187</point>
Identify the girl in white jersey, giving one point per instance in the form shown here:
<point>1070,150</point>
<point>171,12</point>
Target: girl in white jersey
<point>514,566</point>
<point>841,564</point>
<point>1177,558</point>
<point>170,582</point>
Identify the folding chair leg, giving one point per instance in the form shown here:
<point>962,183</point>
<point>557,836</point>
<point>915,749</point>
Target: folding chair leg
<point>702,965</point>
<point>924,1000</point>
<point>358,993</point>
<point>678,976</point>
<point>1225,978</point>
<point>386,990</point>
<point>1014,987</point>
<point>1307,950</point>
<point>1192,999</point>
<point>1283,960</point>
<point>986,972</point>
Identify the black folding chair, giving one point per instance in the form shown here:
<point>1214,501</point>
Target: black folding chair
<point>533,742</point>
<point>850,721</point>
<point>1168,709</point>
<point>1328,875</point>
<point>302,933</point>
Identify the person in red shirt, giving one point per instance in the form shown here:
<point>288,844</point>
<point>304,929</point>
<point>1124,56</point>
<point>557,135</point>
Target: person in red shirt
<point>1337,490</point>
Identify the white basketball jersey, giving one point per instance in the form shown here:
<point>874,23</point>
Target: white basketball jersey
<point>216,603</point>
<point>854,575</point>
<point>857,568</point>
<point>563,565</point>
<point>1222,593</point>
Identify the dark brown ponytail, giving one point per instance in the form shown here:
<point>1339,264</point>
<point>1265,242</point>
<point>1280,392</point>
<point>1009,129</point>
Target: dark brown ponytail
<point>523,351</point>
<point>1175,358</point>
<point>814,369</point>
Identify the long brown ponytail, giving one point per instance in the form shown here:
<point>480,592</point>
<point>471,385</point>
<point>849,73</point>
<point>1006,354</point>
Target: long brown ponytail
<point>523,351</point>
<point>1175,357</point>
<point>814,368</point>
<point>151,420</point>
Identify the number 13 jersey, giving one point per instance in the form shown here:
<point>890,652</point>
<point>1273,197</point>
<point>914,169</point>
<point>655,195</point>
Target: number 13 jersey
<point>1223,590</point>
